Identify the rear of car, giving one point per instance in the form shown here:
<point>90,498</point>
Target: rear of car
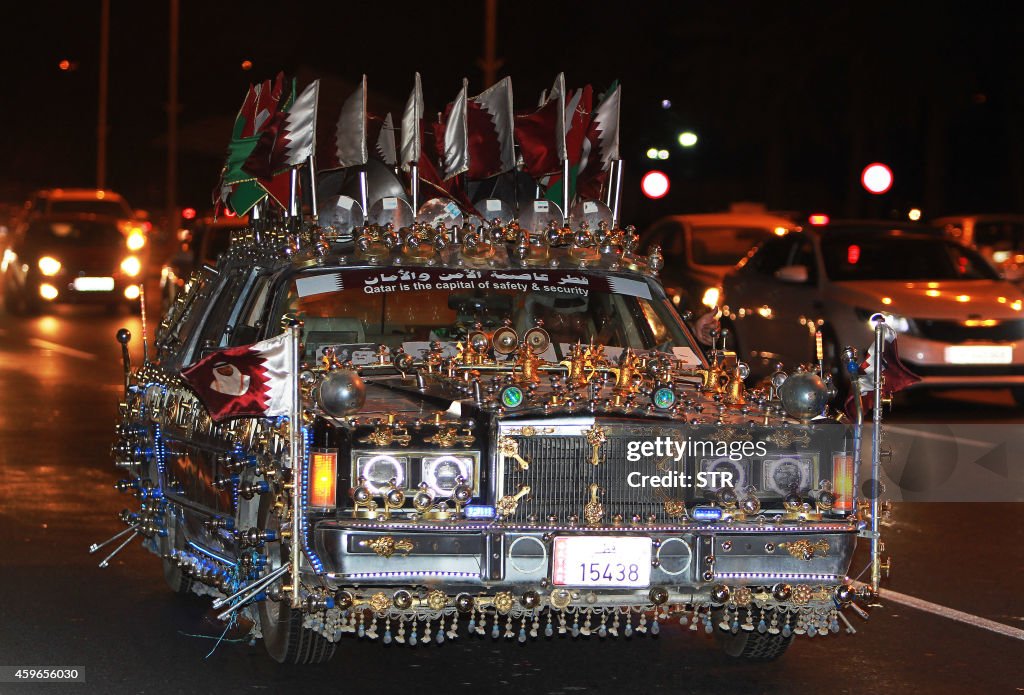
<point>69,259</point>
<point>997,237</point>
<point>700,249</point>
<point>959,324</point>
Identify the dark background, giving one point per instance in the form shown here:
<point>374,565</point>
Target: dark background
<point>790,100</point>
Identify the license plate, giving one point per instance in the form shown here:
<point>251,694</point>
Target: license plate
<point>601,561</point>
<point>979,354</point>
<point>93,284</point>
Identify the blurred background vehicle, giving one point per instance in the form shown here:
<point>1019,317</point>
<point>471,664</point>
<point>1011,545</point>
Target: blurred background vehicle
<point>958,322</point>
<point>68,258</point>
<point>998,237</point>
<point>199,242</point>
<point>700,249</point>
<point>96,204</point>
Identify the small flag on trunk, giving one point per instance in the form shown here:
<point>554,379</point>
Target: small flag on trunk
<point>895,375</point>
<point>246,381</point>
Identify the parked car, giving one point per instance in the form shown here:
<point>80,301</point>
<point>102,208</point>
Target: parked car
<point>998,237</point>
<point>68,258</point>
<point>199,243</point>
<point>700,249</point>
<point>959,323</point>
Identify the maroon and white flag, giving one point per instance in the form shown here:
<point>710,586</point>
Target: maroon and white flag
<point>601,145</point>
<point>541,134</point>
<point>895,375</point>
<point>491,140</point>
<point>246,381</point>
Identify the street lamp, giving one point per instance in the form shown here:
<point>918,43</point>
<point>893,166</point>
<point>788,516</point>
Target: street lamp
<point>687,138</point>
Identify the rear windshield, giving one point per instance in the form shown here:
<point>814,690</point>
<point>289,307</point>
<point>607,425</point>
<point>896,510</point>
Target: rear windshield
<point>1001,236</point>
<point>73,233</point>
<point>725,245</point>
<point>889,257</point>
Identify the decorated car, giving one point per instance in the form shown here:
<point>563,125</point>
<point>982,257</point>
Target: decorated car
<point>428,421</point>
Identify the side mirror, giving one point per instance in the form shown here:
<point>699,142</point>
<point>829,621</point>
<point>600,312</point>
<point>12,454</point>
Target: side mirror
<point>795,274</point>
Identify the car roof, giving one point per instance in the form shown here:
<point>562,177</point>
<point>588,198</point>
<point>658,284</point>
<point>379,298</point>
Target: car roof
<point>981,217</point>
<point>79,194</point>
<point>876,228</point>
<point>710,219</point>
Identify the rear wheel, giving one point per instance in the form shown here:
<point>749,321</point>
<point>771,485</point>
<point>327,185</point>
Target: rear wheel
<point>284,637</point>
<point>755,646</point>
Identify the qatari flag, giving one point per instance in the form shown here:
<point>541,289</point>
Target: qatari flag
<point>491,140</point>
<point>245,381</point>
<point>895,375</point>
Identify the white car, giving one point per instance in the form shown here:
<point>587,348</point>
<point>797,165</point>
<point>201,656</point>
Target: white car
<point>960,325</point>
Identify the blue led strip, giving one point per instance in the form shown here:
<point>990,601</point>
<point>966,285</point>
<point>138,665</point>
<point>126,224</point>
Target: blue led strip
<point>314,559</point>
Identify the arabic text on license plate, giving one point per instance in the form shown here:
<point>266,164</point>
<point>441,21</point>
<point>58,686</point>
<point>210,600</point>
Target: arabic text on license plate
<point>601,561</point>
<point>93,284</point>
<point>979,354</point>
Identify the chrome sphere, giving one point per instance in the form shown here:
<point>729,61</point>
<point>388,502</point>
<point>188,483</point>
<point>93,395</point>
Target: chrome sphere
<point>402,599</point>
<point>804,395</point>
<point>342,392</point>
<point>719,593</point>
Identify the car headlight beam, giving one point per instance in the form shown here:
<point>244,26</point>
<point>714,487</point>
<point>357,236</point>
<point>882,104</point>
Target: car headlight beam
<point>49,266</point>
<point>131,266</point>
<point>135,241</point>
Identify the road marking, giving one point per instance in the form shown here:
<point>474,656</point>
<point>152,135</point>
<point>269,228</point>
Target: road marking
<point>952,614</point>
<point>924,434</point>
<point>70,352</point>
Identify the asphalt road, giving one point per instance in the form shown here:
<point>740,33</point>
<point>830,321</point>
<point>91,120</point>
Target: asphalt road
<point>60,379</point>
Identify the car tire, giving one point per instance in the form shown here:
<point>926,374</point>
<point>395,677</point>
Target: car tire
<point>754,646</point>
<point>284,637</point>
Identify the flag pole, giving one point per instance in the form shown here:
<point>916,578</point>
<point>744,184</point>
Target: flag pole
<point>313,203</point>
<point>618,194</point>
<point>876,432</point>
<point>414,187</point>
<point>565,189</point>
<point>363,193</point>
<point>293,185</point>
<point>296,453</point>
<point>611,184</point>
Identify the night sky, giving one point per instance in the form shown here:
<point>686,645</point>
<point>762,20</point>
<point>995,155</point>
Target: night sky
<point>789,100</point>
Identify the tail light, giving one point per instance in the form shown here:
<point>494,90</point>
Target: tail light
<point>842,486</point>
<point>323,478</point>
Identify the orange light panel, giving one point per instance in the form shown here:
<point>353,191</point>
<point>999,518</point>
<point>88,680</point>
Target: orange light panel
<point>842,482</point>
<point>323,482</point>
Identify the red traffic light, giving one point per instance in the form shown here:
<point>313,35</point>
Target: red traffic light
<point>654,184</point>
<point>876,178</point>
<point>188,213</point>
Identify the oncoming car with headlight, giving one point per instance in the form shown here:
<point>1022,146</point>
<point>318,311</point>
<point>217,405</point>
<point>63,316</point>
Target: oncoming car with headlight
<point>68,259</point>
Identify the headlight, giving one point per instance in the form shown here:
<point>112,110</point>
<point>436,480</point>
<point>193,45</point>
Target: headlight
<point>380,469</point>
<point>136,240</point>
<point>49,266</point>
<point>711,297</point>
<point>441,473</point>
<point>131,266</point>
